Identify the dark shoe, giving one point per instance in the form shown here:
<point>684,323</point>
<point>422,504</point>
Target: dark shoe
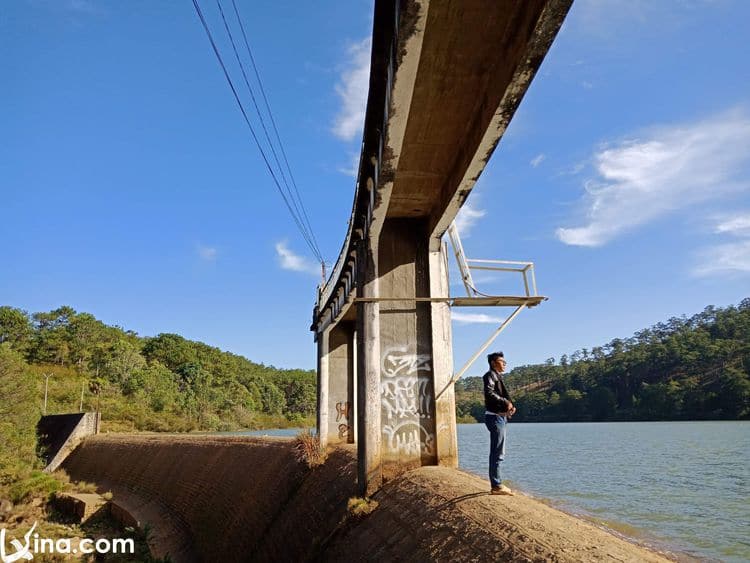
<point>501,490</point>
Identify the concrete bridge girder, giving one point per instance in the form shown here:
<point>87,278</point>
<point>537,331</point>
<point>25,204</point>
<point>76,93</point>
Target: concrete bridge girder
<point>446,78</point>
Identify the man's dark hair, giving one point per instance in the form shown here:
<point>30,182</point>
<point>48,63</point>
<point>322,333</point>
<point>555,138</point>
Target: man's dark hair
<point>494,356</point>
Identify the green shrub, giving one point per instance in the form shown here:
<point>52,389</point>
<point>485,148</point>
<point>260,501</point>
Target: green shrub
<point>37,483</point>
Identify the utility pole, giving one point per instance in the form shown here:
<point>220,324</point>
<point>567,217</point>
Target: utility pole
<point>83,386</point>
<point>46,386</point>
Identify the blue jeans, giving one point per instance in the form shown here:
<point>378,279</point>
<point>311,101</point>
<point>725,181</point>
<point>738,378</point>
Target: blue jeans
<point>496,425</point>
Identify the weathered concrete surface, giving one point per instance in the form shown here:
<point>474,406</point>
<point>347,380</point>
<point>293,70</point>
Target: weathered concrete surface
<point>210,498</point>
<point>340,403</point>
<point>407,393</point>
<point>443,514</point>
<point>370,471</point>
<point>442,361</point>
<point>247,499</point>
<point>445,80</point>
<point>59,434</point>
<point>80,506</point>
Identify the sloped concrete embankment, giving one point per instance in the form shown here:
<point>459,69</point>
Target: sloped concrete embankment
<point>248,499</point>
<point>443,514</point>
<point>220,498</point>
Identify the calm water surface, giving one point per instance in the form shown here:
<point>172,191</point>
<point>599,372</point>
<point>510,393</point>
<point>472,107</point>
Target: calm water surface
<point>685,485</point>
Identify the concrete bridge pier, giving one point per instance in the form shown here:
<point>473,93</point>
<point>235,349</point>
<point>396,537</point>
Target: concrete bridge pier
<point>336,378</point>
<point>405,357</point>
<point>369,470</point>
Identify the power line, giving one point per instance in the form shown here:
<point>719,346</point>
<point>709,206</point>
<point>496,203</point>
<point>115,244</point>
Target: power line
<point>308,231</point>
<point>219,58</point>
<point>273,121</point>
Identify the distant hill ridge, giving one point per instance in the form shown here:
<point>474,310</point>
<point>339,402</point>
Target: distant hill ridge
<point>157,383</point>
<point>682,369</point>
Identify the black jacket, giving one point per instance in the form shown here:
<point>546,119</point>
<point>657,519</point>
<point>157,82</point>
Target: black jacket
<point>496,397</point>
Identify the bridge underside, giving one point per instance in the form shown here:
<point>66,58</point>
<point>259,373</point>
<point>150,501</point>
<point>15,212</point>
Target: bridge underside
<point>445,81</point>
<point>465,90</point>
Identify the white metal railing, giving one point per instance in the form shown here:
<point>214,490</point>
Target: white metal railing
<point>526,270</point>
<point>466,265</point>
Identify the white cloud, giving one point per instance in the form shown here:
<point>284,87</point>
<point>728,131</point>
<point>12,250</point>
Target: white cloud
<point>84,7</point>
<point>730,258</point>
<point>353,167</point>
<point>80,5</point>
<point>288,260</point>
<point>474,318</point>
<point>727,258</point>
<point>207,253</point>
<point>574,169</point>
<point>352,88</point>
<point>672,168</point>
<point>611,19</point>
<point>537,160</point>
<point>738,225</point>
<point>477,278</point>
<point>593,13</point>
<point>467,217</point>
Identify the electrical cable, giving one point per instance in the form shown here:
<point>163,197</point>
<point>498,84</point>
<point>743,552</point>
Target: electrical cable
<point>308,231</point>
<point>219,58</point>
<point>273,121</point>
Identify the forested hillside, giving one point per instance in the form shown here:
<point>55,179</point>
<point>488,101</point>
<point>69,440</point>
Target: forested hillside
<point>160,383</point>
<point>682,369</point>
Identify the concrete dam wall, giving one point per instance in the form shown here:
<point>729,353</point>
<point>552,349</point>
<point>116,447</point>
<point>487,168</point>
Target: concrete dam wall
<point>209,498</point>
<point>59,434</point>
<point>220,498</point>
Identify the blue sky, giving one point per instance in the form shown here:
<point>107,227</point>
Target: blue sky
<point>130,188</point>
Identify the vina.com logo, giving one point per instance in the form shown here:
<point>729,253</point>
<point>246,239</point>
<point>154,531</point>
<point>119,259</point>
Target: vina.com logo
<point>34,544</point>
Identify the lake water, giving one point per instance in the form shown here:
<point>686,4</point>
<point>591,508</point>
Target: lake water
<point>680,485</point>
<point>685,485</point>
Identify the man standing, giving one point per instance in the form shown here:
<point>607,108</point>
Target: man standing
<point>499,409</point>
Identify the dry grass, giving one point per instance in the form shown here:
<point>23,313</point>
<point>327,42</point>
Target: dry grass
<point>361,506</point>
<point>83,487</point>
<point>307,449</point>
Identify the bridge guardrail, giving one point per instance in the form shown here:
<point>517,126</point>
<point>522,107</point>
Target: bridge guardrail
<point>362,208</point>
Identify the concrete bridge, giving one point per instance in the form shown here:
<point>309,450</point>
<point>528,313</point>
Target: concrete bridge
<point>446,78</point>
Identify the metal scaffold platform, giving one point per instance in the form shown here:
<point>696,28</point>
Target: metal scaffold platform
<point>475,298</point>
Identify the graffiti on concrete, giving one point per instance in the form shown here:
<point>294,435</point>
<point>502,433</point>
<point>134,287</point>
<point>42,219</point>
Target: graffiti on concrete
<point>405,394</point>
<point>409,438</point>
<point>342,411</point>
<point>398,361</point>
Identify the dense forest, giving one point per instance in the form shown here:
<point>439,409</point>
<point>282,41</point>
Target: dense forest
<point>681,369</point>
<point>63,361</point>
<point>163,383</point>
<point>695,368</point>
